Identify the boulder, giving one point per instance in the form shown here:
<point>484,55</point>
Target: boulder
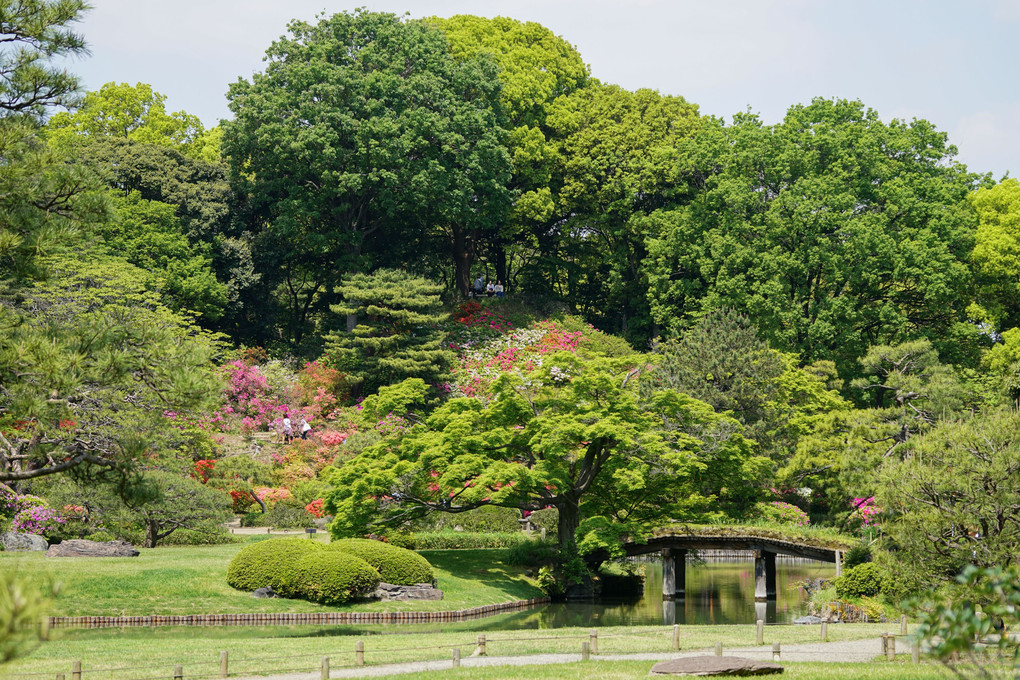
<point>264,593</point>
<point>721,666</point>
<point>15,542</point>
<point>79,547</point>
<point>419,591</point>
<point>807,620</point>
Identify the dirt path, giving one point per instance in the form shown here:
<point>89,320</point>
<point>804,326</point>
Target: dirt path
<point>858,651</point>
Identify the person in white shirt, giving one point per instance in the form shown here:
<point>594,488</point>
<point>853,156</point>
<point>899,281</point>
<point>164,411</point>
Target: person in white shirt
<point>288,429</point>
<point>305,428</point>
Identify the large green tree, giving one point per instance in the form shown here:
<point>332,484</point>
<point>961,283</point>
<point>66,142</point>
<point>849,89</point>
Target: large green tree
<point>996,254</point>
<point>360,123</point>
<point>832,230</point>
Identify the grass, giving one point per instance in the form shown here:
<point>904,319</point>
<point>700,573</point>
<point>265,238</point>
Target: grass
<point>151,652</point>
<point>192,580</point>
<point>634,670</point>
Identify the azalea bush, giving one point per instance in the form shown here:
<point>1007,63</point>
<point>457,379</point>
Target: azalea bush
<point>781,512</point>
<point>28,514</point>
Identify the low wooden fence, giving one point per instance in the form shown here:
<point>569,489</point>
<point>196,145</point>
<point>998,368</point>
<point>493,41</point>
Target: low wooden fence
<point>570,647</point>
<point>309,618</point>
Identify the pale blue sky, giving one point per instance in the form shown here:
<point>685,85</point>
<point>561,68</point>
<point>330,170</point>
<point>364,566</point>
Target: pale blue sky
<point>953,62</point>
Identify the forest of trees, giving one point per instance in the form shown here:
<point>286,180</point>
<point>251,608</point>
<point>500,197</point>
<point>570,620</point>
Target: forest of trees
<point>830,303</point>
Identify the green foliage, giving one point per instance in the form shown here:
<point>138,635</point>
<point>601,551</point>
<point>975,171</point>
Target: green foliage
<point>269,563</point>
<point>331,577</point>
<point>468,540</point>
<point>546,518</point>
<point>279,516</point>
<point>996,255</point>
<point>863,580</point>
<point>778,512</point>
<point>396,337</point>
<point>832,230</point>
<point>486,519</point>
<point>531,553</point>
<point>394,564</point>
<point>23,606</point>
<point>949,498</point>
<point>964,630</point>
<point>859,554</point>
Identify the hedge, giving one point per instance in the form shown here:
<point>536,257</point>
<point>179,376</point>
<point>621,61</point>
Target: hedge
<point>269,563</point>
<point>332,577</point>
<point>864,580</point>
<point>395,565</point>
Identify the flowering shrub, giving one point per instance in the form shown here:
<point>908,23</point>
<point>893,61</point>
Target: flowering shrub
<point>250,397</point>
<point>315,508</point>
<point>241,501</point>
<point>332,438</point>
<point>780,512</point>
<point>867,510</point>
<point>37,519</point>
<point>321,389</point>
<point>272,495</point>
<point>202,470</point>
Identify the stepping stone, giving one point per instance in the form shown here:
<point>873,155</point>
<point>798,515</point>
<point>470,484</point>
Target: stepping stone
<point>722,666</point>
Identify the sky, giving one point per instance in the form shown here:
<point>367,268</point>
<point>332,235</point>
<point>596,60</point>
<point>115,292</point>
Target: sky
<point>951,62</point>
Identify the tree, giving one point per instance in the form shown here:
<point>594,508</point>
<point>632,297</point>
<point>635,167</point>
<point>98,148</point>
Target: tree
<point>996,255</point>
<point>89,365</point>
<point>128,112</point>
<point>951,500</point>
<point>240,473</point>
<point>547,439</point>
<point>174,501</point>
<point>535,68</point>
<point>23,604</point>
<point>396,337</point>
<point>832,231</point>
<point>618,153</point>
<point>33,33</point>
<point>359,123</point>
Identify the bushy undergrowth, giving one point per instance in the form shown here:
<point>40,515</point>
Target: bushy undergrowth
<point>468,540</point>
<point>269,563</point>
<point>279,516</point>
<point>488,518</point>
<point>210,535</point>
<point>331,577</point>
<point>531,553</point>
<point>394,564</point>
<point>864,580</point>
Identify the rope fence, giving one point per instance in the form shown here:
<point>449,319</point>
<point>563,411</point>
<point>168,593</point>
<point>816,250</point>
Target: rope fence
<point>584,647</point>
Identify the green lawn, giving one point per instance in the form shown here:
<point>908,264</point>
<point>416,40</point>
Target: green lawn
<point>276,649</point>
<point>192,580</point>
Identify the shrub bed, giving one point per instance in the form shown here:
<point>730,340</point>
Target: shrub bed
<point>864,580</point>
<point>468,540</point>
<point>269,563</point>
<point>395,565</point>
<point>331,577</point>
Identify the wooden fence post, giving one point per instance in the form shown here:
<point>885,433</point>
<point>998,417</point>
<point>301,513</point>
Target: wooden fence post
<point>890,650</point>
<point>676,637</point>
<point>593,641</point>
<point>775,651</point>
<point>224,668</point>
<point>825,631</point>
<point>456,657</point>
<point>885,643</point>
<point>585,651</point>
<point>915,652</point>
<point>76,670</point>
<point>481,645</point>
<point>359,653</point>
<point>324,668</point>
<point>760,632</point>
<point>178,672</point>
<point>903,624</point>
<point>60,676</point>
<point>718,649</point>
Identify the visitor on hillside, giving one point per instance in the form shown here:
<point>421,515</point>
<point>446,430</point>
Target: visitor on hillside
<point>490,290</point>
<point>499,289</point>
<point>479,286</point>
<point>288,429</point>
<point>305,428</point>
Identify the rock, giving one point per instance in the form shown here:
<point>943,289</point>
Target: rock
<point>723,666</point>
<point>263,593</point>
<point>807,620</point>
<point>79,547</point>
<point>419,591</point>
<point>15,542</point>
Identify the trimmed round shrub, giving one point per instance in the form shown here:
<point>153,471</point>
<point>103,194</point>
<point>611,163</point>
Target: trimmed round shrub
<point>780,512</point>
<point>332,577</point>
<point>269,563</point>
<point>864,580</point>
<point>395,565</point>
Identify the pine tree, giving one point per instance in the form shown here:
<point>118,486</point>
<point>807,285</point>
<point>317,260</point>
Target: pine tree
<point>396,336</point>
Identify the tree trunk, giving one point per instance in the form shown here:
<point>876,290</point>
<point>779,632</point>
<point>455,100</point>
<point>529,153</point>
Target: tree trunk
<point>569,519</point>
<point>462,255</point>
<point>151,533</point>
<point>259,501</point>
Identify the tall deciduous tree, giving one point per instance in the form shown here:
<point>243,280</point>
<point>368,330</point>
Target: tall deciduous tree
<point>996,254</point>
<point>359,123</point>
<point>832,230</point>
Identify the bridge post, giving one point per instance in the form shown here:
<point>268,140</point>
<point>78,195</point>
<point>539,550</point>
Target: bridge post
<point>839,563</point>
<point>764,575</point>
<point>674,573</point>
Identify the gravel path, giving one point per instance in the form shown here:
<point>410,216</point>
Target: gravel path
<point>856,651</point>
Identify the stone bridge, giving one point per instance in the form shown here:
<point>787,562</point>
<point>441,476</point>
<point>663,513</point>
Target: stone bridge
<point>673,546</point>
